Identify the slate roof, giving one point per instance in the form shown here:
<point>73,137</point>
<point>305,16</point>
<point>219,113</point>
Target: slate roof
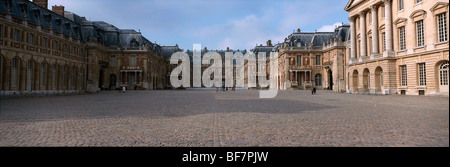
<point>80,28</point>
<point>36,14</point>
<point>318,38</point>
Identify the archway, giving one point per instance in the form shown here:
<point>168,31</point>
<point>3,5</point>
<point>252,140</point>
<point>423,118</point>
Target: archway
<point>355,80</point>
<point>443,77</point>
<point>378,79</point>
<point>330,80</point>
<point>366,79</point>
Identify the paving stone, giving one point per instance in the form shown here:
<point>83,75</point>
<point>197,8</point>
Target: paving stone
<point>208,118</point>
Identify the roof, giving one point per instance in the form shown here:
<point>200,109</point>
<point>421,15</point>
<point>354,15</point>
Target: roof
<point>24,9</point>
<point>317,39</point>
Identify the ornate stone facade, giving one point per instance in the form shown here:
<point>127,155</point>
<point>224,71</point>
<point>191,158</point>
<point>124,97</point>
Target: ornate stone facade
<point>398,46</point>
<point>51,52</point>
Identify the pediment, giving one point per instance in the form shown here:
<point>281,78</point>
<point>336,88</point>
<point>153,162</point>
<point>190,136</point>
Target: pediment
<point>418,13</point>
<point>439,7</point>
<point>400,20</point>
<point>352,3</point>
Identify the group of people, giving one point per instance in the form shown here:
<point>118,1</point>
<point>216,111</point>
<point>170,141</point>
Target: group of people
<point>226,88</point>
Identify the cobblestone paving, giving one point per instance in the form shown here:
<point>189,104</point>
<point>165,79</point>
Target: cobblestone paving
<point>209,118</point>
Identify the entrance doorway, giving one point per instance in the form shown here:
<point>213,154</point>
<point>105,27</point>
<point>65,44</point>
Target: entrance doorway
<point>355,81</point>
<point>112,81</point>
<point>100,79</point>
<point>330,80</point>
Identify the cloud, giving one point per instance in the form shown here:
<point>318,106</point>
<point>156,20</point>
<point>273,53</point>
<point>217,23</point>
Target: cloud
<point>216,24</point>
<point>328,28</point>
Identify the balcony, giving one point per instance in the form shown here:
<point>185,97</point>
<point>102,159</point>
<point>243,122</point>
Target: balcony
<point>131,68</point>
<point>292,67</point>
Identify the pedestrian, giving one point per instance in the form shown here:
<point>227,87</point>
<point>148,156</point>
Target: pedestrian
<point>123,89</point>
<point>313,91</point>
<point>234,87</point>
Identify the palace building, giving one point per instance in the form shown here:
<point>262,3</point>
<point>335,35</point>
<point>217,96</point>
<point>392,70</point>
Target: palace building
<point>398,46</point>
<point>55,51</point>
<point>389,47</point>
<point>313,59</point>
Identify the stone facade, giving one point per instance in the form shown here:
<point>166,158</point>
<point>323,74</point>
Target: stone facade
<point>52,52</point>
<point>313,59</point>
<point>398,46</point>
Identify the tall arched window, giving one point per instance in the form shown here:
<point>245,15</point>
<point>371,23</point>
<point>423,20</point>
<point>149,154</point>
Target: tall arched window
<point>81,78</point>
<point>14,67</point>
<point>43,74</point>
<point>74,78</point>
<point>54,76</point>
<point>443,74</point>
<point>64,76</point>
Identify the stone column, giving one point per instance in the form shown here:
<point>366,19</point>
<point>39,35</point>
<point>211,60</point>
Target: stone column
<point>388,30</point>
<point>352,40</point>
<point>362,28</point>
<point>375,49</point>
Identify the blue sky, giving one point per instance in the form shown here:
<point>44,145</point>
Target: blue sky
<point>216,24</point>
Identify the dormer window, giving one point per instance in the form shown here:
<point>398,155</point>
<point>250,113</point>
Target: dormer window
<point>134,43</point>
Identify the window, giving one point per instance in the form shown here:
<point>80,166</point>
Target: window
<point>443,73</point>
<point>55,45</point>
<point>384,41</point>
<point>44,42</point>
<point>422,75</point>
<point>14,72</point>
<point>64,77</point>
<point>43,73</point>
<point>31,39</point>
<point>400,5</point>
<point>419,33</point>
<point>81,78</point>
<point>112,61</point>
<point>74,75</point>
<point>442,27</point>
<point>318,59</point>
<point>74,50</point>
<point>299,60</point>
<point>16,35</point>
<point>402,41</point>
<point>318,80</point>
<point>132,60</point>
<point>54,76</point>
<point>418,1</point>
<point>66,48</point>
<point>403,72</point>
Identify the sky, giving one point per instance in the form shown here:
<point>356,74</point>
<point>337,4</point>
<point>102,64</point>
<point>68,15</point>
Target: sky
<point>216,24</point>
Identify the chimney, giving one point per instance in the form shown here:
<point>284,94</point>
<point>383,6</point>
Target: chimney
<point>269,43</point>
<point>58,9</point>
<point>43,3</point>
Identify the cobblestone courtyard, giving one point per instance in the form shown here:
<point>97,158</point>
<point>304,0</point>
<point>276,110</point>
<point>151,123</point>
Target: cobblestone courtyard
<point>209,118</point>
